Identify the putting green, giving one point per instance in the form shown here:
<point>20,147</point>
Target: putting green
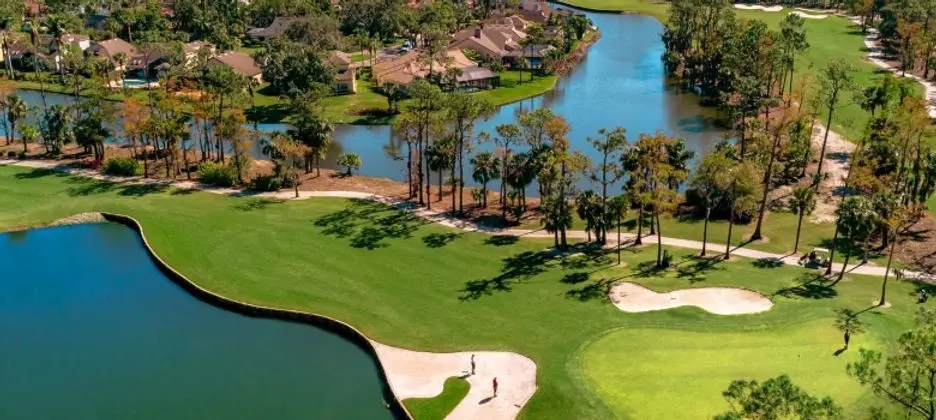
<point>668,374</point>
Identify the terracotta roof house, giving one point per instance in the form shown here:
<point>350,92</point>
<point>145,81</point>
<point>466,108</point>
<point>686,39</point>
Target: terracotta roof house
<point>241,63</point>
<point>346,75</point>
<point>536,11</point>
<point>277,28</point>
<point>408,67</point>
<point>493,41</point>
<point>111,47</point>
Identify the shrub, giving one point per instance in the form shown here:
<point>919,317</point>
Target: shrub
<point>350,161</point>
<point>12,154</point>
<point>266,183</point>
<point>21,155</point>
<point>667,259</point>
<point>121,166</point>
<point>219,175</point>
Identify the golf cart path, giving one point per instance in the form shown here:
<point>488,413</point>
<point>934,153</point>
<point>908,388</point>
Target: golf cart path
<point>447,220</point>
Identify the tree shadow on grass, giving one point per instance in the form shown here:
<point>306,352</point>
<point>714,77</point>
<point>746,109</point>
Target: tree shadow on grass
<point>501,240</point>
<point>88,186</point>
<point>40,173</point>
<point>597,290</point>
<point>183,191</point>
<point>769,262</point>
<point>695,268</point>
<point>811,286</point>
<point>576,277</point>
<point>257,203</point>
<point>516,268</point>
<point>139,190</point>
<point>439,240</point>
<point>369,224</point>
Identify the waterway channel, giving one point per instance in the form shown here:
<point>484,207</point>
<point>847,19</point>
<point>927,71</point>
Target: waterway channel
<point>621,82</point>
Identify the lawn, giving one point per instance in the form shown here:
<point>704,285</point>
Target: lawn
<point>409,283</point>
<point>690,367</point>
<point>436,408</point>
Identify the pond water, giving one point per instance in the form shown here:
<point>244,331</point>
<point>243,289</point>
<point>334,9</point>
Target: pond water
<point>621,82</point>
<point>91,329</point>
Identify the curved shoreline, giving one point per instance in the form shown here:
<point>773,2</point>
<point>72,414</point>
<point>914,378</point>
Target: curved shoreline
<point>404,373</point>
<point>322,321</point>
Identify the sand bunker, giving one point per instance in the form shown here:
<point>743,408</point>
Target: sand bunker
<point>630,297</point>
<point>758,7</point>
<point>414,374</point>
<point>805,15</point>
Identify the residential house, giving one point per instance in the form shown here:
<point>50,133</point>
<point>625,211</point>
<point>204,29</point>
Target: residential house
<point>34,8</point>
<point>530,56</point>
<point>277,28</point>
<point>346,74</point>
<point>491,41</point>
<point>191,50</point>
<point>145,62</point>
<point>111,48</point>
<point>241,63</point>
<point>536,11</point>
<point>477,78</point>
<point>408,67</point>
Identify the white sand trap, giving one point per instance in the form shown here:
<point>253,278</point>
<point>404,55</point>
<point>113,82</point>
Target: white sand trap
<point>805,15</point>
<point>758,7</point>
<point>414,374</point>
<point>630,297</point>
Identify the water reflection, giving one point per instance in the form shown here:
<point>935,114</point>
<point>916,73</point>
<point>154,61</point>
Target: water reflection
<point>621,82</point>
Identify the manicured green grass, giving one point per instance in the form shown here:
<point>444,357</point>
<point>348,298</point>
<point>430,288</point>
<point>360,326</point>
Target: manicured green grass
<point>436,408</point>
<point>513,90</point>
<point>690,367</point>
<point>417,285</point>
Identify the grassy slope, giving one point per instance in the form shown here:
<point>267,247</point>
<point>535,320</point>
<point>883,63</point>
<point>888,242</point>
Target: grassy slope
<point>436,408</point>
<point>829,39</point>
<point>367,265</point>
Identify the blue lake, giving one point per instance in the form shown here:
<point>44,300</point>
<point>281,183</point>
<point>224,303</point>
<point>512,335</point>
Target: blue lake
<point>91,329</point>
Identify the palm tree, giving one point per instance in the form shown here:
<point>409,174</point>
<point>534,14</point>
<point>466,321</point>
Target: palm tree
<point>17,110</point>
<point>486,167</point>
<point>120,62</point>
<point>802,203</point>
<point>350,161</point>
<point>56,25</point>
<point>588,208</point>
<point>619,206</point>
<point>28,134</point>
<point>439,156</point>
<point>316,133</point>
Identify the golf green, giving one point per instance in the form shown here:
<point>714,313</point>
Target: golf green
<point>640,373</point>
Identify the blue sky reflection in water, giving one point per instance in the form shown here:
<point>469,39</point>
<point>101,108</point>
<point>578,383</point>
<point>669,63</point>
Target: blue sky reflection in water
<point>91,329</point>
